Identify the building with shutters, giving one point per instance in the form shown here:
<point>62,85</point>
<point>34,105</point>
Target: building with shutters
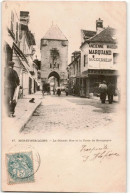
<point>18,47</point>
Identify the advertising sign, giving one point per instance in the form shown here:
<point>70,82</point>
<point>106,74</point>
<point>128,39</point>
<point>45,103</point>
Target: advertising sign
<point>100,58</point>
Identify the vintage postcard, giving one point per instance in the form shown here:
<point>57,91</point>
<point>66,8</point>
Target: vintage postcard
<point>63,96</point>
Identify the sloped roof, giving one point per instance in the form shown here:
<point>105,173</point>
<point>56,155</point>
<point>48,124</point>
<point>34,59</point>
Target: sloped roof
<point>54,33</point>
<point>107,36</point>
<point>88,34</point>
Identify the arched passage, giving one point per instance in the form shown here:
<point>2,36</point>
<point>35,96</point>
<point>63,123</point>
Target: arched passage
<point>55,75</point>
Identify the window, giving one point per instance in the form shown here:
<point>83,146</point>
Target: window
<point>54,66</point>
<point>54,57</point>
<point>115,58</point>
<point>74,69</point>
<point>12,21</point>
<point>17,32</point>
<point>79,65</point>
<point>54,54</point>
<point>85,60</point>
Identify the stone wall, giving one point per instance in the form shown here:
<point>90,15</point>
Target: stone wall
<point>46,59</point>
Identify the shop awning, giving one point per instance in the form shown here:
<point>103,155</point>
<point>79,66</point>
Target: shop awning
<point>100,72</point>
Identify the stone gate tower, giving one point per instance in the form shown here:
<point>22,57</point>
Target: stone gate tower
<point>54,56</point>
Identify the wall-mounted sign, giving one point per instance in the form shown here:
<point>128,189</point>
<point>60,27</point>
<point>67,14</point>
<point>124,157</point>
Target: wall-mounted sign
<point>102,52</point>
<point>101,59</point>
<point>96,45</point>
<point>112,46</point>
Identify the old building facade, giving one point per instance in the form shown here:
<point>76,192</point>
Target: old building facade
<point>74,73</point>
<point>54,57</point>
<point>99,59</point>
<point>18,46</point>
<point>27,43</point>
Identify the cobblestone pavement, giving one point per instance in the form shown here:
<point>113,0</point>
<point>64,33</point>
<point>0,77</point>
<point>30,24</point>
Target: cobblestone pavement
<point>70,113</point>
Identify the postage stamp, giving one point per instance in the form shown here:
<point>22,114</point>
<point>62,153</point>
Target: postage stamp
<point>20,167</point>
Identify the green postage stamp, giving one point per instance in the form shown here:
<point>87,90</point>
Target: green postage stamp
<point>20,167</point>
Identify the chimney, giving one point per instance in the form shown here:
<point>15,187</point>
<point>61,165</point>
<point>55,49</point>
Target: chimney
<point>99,25</point>
<point>24,17</point>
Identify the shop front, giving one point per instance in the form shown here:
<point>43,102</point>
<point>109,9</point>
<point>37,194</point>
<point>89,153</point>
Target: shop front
<point>90,83</point>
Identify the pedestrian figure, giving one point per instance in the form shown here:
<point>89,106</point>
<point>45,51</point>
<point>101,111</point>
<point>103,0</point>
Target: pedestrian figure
<point>11,83</point>
<point>103,91</point>
<point>67,91</point>
<point>58,92</point>
<point>110,92</point>
<point>48,90</point>
<point>43,89</point>
<point>53,91</point>
<point>43,92</point>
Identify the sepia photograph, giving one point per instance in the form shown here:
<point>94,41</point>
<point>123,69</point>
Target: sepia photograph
<point>63,96</point>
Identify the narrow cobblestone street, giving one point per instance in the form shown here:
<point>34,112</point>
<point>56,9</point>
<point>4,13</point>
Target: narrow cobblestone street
<point>70,113</point>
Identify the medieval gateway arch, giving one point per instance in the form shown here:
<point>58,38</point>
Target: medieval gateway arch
<point>54,57</point>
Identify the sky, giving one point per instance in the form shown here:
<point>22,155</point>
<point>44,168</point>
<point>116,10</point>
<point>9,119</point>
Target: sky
<point>70,17</point>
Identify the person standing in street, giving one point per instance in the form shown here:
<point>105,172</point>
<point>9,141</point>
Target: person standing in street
<point>67,91</point>
<point>103,91</point>
<point>11,83</point>
<point>110,92</point>
<point>53,91</point>
<point>58,92</point>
